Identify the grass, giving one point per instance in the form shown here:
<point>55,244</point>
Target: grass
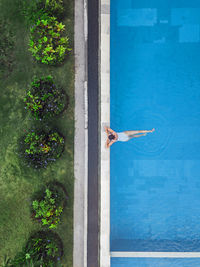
<point>18,182</point>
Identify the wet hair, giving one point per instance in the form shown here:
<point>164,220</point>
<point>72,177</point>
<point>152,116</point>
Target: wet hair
<point>111,137</point>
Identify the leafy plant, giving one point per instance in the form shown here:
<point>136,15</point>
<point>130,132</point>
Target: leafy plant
<point>34,10</point>
<point>43,249</point>
<point>6,262</point>
<point>44,99</point>
<point>53,7</point>
<point>6,47</point>
<point>47,43</point>
<point>45,246</point>
<point>48,207</point>
<point>31,10</point>
<point>40,148</point>
<point>22,259</point>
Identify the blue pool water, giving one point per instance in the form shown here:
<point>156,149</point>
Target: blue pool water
<point>155,82</point>
<point>147,262</point>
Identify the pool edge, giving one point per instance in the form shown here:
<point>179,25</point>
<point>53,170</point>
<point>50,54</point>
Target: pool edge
<point>104,256</point>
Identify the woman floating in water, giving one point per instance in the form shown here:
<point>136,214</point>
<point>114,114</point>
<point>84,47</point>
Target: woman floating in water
<point>113,137</point>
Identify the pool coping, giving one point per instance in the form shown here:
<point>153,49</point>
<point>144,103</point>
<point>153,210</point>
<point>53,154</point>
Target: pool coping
<point>104,16</point>
<point>149,254</point>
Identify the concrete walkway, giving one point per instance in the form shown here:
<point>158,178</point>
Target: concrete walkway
<point>86,191</point>
<point>81,137</point>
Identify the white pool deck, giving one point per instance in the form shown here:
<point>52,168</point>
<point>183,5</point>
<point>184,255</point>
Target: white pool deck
<point>130,254</point>
<point>105,120</point>
<point>105,253</point>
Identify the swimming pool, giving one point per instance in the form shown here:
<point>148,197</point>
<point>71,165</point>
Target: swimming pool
<point>128,262</point>
<point>155,82</point>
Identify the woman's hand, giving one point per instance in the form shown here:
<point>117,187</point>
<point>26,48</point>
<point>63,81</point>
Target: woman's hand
<point>109,143</point>
<point>106,130</point>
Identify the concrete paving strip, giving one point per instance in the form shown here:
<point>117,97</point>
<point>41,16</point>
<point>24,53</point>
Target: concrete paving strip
<point>130,254</point>
<point>81,136</point>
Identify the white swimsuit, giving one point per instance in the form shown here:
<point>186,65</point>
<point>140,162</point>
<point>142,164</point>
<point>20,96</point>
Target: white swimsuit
<point>123,137</point>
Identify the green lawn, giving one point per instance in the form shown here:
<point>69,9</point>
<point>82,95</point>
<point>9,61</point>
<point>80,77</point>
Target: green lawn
<point>18,182</point>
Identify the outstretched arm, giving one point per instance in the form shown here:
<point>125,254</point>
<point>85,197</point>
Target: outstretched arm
<point>110,130</point>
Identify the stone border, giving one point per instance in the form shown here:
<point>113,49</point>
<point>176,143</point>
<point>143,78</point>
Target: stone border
<point>104,18</point>
<point>81,136</point>
<point>130,254</point>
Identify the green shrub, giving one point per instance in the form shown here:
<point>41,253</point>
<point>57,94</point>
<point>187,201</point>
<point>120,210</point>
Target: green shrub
<point>31,10</point>
<point>53,7</point>
<point>48,207</point>
<point>6,47</point>
<point>34,10</point>
<point>23,259</point>
<point>6,262</point>
<point>41,148</point>
<point>44,99</point>
<point>47,43</point>
<point>45,246</point>
<point>43,249</point>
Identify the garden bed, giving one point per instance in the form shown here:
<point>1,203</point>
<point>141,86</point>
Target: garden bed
<point>18,181</point>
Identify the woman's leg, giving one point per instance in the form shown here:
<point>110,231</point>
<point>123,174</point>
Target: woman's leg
<point>137,132</point>
<point>137,135</point>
